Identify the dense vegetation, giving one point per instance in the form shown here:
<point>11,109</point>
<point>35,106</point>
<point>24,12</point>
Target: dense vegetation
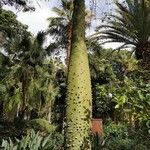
<point>45,102</point>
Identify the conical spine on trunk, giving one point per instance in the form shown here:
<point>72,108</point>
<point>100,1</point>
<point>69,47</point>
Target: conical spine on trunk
<point>78,109</point>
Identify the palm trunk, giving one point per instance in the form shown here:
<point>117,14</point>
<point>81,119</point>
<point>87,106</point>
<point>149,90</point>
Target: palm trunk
<point>50,113</point>
<point>24,99</point>
<point>78,110</point>
<point>68,47</point>
<point>143,53</point>
<point>24,94</point>
<point>1,111</point>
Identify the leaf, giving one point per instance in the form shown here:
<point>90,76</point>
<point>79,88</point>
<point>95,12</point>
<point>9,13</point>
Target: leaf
<point>127,110</point>
<point>139,106</point>
<point>117,106</point>
<point>45,141</point>
<point>2,88</point>
<point>148,123</point>
<point>148,95</point>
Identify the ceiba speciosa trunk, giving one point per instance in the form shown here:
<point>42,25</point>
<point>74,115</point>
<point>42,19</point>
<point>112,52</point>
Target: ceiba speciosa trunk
<point>79,100</point>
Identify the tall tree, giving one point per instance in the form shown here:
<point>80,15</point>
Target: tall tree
<point>60,28</point>
<point>78,101</point>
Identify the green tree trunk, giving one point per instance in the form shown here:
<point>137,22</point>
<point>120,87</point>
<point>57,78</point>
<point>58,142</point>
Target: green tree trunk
<point>78,109</point>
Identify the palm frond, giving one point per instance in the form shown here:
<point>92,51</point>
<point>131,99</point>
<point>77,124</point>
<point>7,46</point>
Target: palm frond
<point>129,25</point>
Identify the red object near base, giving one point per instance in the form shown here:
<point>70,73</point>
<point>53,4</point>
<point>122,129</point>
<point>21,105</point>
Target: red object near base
<point>97,126</point>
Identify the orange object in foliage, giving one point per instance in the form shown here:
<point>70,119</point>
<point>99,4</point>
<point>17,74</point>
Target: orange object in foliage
<point>97,126</point>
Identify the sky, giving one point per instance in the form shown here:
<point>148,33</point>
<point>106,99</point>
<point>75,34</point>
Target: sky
<point>37,20</point>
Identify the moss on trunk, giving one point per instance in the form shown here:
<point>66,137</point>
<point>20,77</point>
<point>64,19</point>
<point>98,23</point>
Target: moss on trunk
<point>78,110</point>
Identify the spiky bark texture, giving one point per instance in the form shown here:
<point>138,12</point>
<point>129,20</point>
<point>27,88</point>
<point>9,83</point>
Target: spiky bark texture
<point>78,110</point>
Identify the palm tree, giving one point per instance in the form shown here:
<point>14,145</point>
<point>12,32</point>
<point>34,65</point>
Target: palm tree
<point>60,27</point>
<point>129,26</point>
<point>31,54</point>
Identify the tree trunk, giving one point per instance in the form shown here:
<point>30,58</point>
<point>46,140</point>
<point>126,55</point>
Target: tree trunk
<point>78,101</point>
<point>23,109</point>
<point>1,111</point>
<point>68,47</point>
<point>50,115</point>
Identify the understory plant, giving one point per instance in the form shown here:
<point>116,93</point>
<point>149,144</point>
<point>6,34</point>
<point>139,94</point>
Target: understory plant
<point>35,141</point>
<point>118,136</point>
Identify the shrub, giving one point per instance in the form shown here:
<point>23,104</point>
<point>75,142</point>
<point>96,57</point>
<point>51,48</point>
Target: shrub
<point>97,142</point>
<point>140,147</point>
<point>42,125</point>
<point>120,138</point>
<point>116,130</point>
<point>34,141</point>
<point>120,144</point>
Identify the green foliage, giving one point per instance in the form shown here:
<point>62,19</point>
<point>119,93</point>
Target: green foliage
<point>108,70</point>
<point>29,80</point>
<point>124,94</point>
<point>103,101</point>
<point>28,75</point>
<point>34,141</point>
<point>12,31</point>
<point>41,125</point>
<point>140,147</point>
<point>96,142</point>
<point>42,89</point>
<point>120,144</point>
<point>129,98</point>
<point>116,130</point>
<point>118,137</point>
<point>12,102</point>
